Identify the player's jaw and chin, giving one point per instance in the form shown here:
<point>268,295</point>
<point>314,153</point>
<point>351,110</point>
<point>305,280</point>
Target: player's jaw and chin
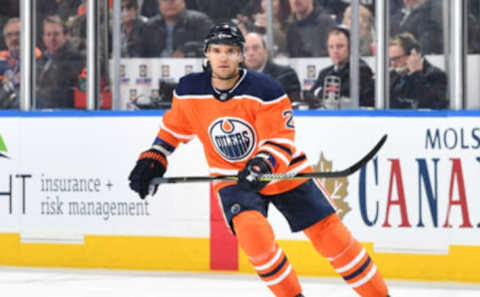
<point>225,77</point>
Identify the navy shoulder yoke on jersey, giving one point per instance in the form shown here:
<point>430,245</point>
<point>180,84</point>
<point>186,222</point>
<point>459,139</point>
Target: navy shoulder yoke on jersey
<point>261,86</point>
<point>252,84</point>
<point>196,83</point>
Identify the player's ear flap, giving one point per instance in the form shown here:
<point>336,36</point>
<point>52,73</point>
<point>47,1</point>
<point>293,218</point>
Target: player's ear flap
<point>206,64</point>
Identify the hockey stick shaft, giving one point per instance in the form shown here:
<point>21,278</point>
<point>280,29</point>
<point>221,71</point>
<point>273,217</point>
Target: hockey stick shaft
<point>268,177</point>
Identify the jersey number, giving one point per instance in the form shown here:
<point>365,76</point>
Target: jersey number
<point>289,115</point>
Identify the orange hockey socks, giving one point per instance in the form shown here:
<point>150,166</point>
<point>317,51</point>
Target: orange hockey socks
<point>333,240</point>
<point>256,238</point>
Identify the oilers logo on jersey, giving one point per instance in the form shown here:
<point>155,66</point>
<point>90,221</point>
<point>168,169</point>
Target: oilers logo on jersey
<point>233,138</point>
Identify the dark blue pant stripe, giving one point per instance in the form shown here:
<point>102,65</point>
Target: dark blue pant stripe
<point>277,269</point>
<point>358,271</point>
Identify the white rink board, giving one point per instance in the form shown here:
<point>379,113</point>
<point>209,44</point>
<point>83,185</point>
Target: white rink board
<point>344,140</point>
<point>104,148</point>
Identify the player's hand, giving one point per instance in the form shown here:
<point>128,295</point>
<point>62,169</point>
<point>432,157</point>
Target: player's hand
<point>150,164</point>
<point>248,177</point>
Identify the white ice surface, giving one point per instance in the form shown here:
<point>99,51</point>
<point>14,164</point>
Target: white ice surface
<point>36,282</point>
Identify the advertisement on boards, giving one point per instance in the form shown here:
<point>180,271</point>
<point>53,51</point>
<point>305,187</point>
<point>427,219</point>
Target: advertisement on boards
<point>67,176</point>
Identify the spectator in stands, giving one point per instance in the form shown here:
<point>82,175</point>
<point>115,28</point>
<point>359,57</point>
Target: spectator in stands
<point>77,35</point>
<point>281,12</point>
<point>244,26</point>
<point>58,68</point>
<point>176,31</point>
<point>67,8</point>
<point>423,19</point>
<point>337,7</point>
<point>367,29</point>
<point>395,6</point>
<point>257,59</point>
<point>473,35</point>
<point>9,9</point>
<point>249,10</point>
<point>77,30</point>
<point>307,30</point>
<point>333,82</point>
<point>473,27</point>
<point>414,82</point>
<point>10,65</point>
<point>149,8</point>
<point>132,29</point>
<point>221,10</point>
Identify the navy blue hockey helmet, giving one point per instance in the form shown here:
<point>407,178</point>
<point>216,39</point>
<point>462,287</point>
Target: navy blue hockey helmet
<point>224,33</point>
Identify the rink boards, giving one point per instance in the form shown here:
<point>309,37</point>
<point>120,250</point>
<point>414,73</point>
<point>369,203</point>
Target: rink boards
<point>65,201</point>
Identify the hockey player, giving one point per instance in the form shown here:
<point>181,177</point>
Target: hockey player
<point>245,123</point>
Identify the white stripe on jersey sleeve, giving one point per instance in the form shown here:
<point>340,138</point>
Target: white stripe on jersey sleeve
<point>191,96</point>
<point>177,135</point>
<point>275,153</point>
<point>161,149</point>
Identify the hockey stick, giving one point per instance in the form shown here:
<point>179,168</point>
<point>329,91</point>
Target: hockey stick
<point>269,177</point>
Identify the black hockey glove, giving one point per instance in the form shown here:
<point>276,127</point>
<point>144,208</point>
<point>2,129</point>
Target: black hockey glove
<point>247,178</point>
<point>150,164</point>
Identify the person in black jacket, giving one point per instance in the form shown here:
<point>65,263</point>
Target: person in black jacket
<point>257,59</point>
<point>307,30</point>
<point>423,19</point>
<point>10,66</point>
<point>333,82</point>
<point>414,82</point>
<point>132,28</point>
<point>58,68</point>
<point>176,31</point>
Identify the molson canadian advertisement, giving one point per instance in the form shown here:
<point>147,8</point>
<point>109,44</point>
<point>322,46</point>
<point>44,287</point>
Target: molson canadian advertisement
<point>65,200</point>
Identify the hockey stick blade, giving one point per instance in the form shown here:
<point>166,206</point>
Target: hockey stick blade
<point>268,177</point>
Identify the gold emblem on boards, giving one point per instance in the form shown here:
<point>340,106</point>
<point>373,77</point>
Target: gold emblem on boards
<point>337,187</point>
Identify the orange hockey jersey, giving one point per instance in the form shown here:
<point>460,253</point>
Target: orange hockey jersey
<point>254,116</point>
